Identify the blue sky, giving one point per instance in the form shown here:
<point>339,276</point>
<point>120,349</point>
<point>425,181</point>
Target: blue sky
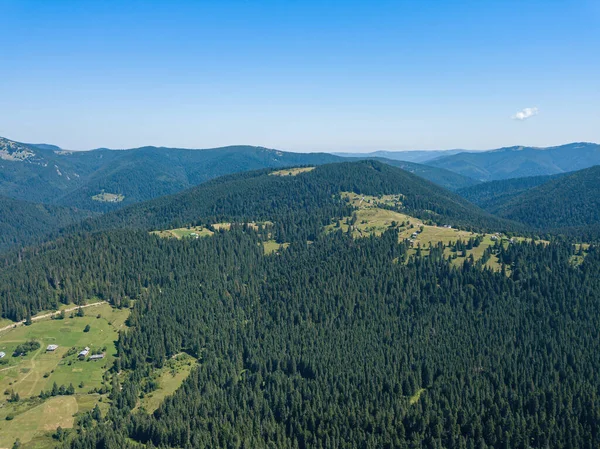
<point>300,75</point>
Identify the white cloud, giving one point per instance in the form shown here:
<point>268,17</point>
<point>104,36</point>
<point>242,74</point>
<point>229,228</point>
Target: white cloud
<point>525,114</point>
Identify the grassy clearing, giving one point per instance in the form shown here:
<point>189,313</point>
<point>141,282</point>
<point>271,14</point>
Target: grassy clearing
<point>252,224</point>
<point>202,231</point>
<point>374,221</point>
<point>271,246</point>
<point>169,379</point>
<point>415,397</point>
<point>371,219</point>
<point>292,171</point>
<point>180,233</point>
<point>364,201</point>
<point>5,322</point>
<point>39,420</point>
<point>108,197</point>
<point>576,260</point>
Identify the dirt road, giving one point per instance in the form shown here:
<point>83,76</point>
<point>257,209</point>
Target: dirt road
<point>48,315</point>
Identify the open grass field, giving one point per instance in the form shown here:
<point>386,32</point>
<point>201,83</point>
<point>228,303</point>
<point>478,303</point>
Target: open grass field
<point>108,197</point>
<point>364,201</point>
<point>271,246</point>
<point>26,375</point>
<point>179,233</point>
<point>169,378</point>
<point>253,224</point>
<point>39,420</point>
<point>415,397</point>
<point>6,325</point>
<point>370,220</point>
<point>201,231</point>
<point>373,220</point>
<point>38,370</point>
<point>291,171</point>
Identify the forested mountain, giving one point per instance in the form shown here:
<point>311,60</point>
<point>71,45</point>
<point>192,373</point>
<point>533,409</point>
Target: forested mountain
<point>309,200</point>
<point>493,194</point>
<point>571,202</point>
<point>333,341</point>
<point>442,177</point>
<point>517,162</point>
<point>39,174</point>
<point>23,223</point>
<point>103,180</point>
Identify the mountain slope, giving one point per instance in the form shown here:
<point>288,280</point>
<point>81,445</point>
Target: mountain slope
<point>312,196</point>
<point>45,173</point>
<point>517,162</point>
<point>40,173</point>
<point>440,176</point>
<point>25,223</point>
<point>567,202</point>
<point>150,172</point>
<point>492,195</point>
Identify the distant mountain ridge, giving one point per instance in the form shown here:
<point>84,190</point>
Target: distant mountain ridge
<point>41,173</point>
<point>417,156</point>
<point>103,179</point>
<point>518,161</point>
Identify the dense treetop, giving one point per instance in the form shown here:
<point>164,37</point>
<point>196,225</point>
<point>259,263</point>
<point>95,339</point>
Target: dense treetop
<point>22,222</point>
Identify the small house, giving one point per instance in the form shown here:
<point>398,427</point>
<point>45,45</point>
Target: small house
<point>97,356</point>
<point>84,353</point>
<point>52,348</point>
<point>2,354</point>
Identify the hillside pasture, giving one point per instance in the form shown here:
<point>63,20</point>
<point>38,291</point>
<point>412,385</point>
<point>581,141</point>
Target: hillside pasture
<point>34,419</point>
<point>292,171</point>
<point>204,231</point>
<point>45,417</point>
<point>271,246</point>
<point>369,219</point>
<point>36,371</point>
<point>108,197</point>
<point>169,379</point>
<point>180,233</point>
<point>364,201</point>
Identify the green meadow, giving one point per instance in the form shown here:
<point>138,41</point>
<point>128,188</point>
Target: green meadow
<point>31,418</point>
<point>168,379</point>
